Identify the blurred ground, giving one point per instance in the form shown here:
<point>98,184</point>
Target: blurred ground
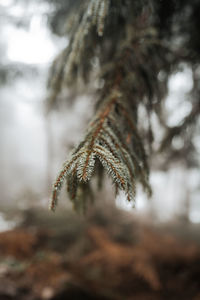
<point>100,256</point>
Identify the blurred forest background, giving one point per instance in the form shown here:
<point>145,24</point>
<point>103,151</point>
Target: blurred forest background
<point>114,251</point>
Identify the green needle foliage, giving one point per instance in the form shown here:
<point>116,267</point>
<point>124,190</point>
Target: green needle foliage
<point>131,46</point>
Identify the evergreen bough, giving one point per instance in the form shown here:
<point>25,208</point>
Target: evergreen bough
<point>120,44</point>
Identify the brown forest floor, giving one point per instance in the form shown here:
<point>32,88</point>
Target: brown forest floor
<point>103,258</point>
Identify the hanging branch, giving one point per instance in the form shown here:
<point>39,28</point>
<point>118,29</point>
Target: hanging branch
<point>112,139</point>
<point>104,141</point>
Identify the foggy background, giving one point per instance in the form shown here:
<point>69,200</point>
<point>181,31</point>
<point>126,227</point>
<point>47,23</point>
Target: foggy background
<point>34,144</point>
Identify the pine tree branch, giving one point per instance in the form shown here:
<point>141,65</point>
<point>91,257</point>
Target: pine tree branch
<point>112,138</point>
<point>104,141</point>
